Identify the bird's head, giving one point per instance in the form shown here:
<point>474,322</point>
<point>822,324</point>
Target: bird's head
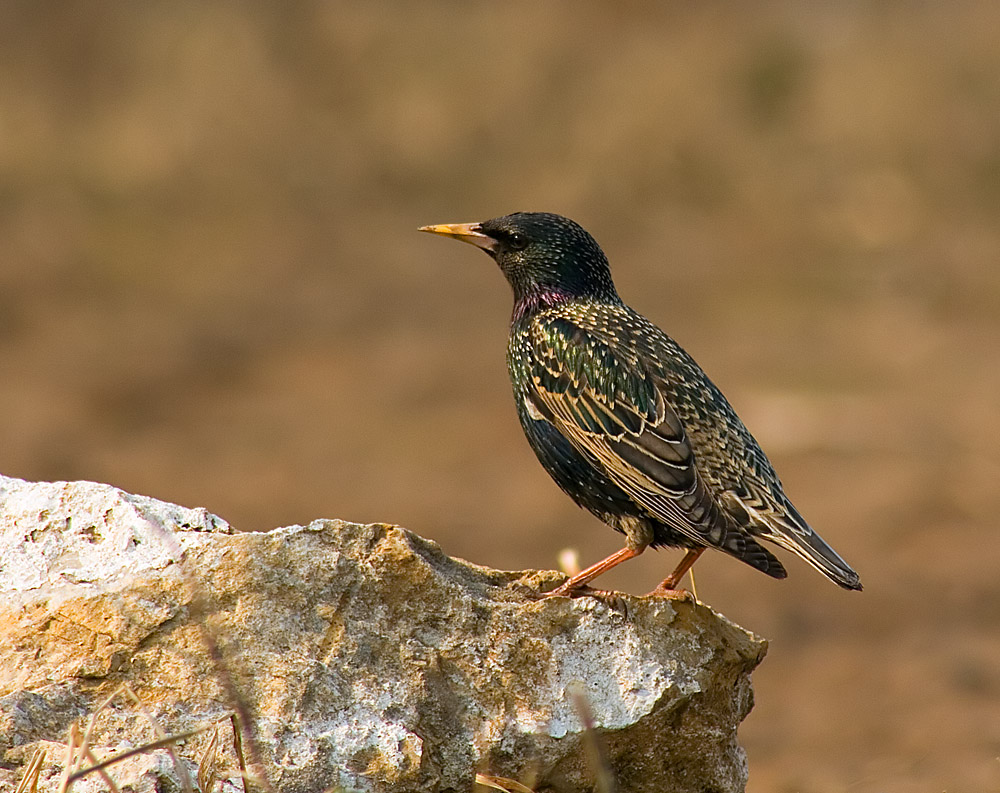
<point>543,256</point>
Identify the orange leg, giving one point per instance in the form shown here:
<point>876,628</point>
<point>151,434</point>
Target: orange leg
<point>668,587</point>
<point>577,585</point>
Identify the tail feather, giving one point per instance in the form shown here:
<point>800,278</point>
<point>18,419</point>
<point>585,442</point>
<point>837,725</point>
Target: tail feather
<point>814,549</point>
<point>789,529</point>
<point>801,539</point>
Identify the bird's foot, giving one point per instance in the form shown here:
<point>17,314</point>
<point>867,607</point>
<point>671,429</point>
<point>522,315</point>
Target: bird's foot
<point>672,594</point>
<point>570,590</point>
<point>613,599</point>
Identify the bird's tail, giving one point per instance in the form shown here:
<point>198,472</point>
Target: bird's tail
<point>799,537</point>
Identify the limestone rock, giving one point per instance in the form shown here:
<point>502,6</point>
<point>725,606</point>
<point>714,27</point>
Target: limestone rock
<point>365,658</point>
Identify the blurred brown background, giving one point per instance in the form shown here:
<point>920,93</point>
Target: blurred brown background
<point>212,292</point>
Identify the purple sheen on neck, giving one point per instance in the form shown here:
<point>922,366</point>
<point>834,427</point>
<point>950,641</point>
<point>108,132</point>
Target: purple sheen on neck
<point>537,300</point>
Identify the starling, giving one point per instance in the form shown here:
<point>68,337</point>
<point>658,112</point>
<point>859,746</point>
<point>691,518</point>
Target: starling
<point>625,421</point>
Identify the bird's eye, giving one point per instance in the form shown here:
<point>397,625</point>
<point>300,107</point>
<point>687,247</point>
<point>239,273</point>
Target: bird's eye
<point>516,241</point>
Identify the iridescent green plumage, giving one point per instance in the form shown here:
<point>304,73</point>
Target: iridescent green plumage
<point>623,419</point>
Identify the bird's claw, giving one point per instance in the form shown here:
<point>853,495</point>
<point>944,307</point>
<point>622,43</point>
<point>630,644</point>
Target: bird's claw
<point>575,591</point>
<point>671,594</point>
<point>612,599</point>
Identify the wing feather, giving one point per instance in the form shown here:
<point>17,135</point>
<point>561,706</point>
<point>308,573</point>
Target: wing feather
<point>614,412</point>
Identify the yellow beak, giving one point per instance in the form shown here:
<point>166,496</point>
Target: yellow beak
<point>466,232</point>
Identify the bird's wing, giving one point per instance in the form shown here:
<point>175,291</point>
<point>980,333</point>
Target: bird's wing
<point>614,411</point>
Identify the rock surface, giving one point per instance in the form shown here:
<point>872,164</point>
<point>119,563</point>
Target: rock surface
<point>363,656</point>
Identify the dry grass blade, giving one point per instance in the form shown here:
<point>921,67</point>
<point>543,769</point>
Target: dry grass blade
<point>29,782</point>
<point>501,783</point>
<point>238,748</point>
<point>85,752</point>
<point>146,747</point>
<point>78,750</point>
<point>85,746</point>
<point>208,763</point>
<point>597,758</point>
<point>69,758</point>
<point>104,774</point>
<point>179,767</point>
<point>78,747</point>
